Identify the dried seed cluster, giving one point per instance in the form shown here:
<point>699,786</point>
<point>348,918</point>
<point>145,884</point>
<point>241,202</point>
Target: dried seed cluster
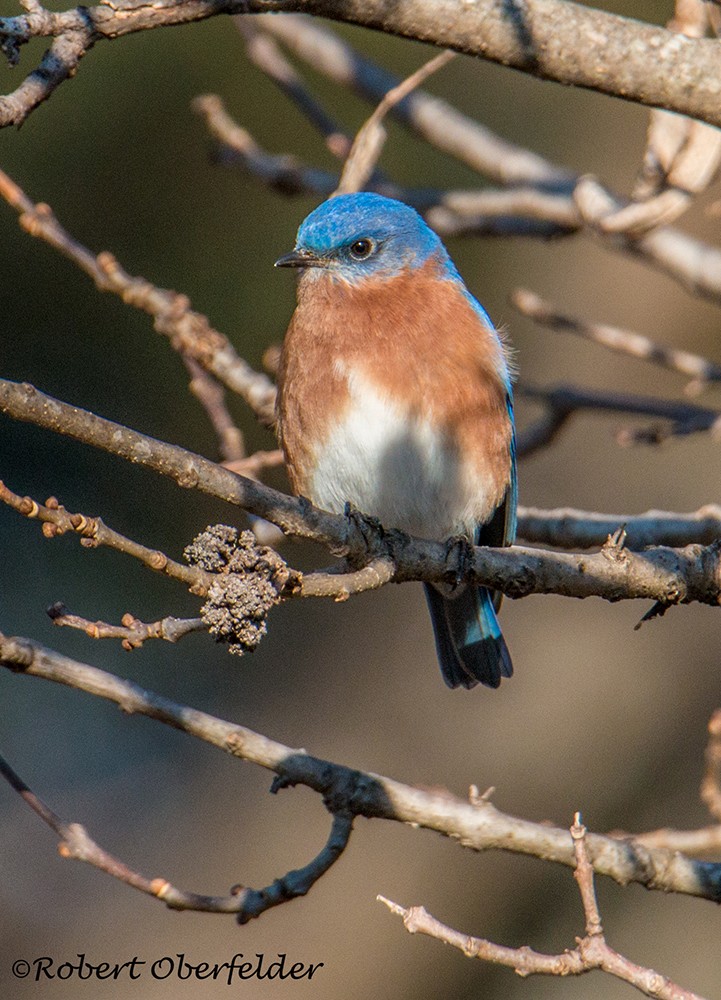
<point>250,580</point>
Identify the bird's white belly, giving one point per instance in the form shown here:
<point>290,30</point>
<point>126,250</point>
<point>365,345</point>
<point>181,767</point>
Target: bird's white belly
<point>397,467</point>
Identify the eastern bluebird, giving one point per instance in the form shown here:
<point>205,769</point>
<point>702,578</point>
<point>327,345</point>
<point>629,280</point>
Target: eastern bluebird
<point>395,395</point>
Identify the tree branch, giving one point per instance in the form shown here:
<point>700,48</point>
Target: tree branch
<point>77,844</point>
<point>556,40</point>
<point>562,401</point>
<point>554,202</point>
<point>93,531</point>
<point>189,332</point>
<point>624,341</point>
<point>368,143</point>
<point>476,824</point>
<point>591,951</point>
<point>264,52</point>
<point>667,576</point>
<point>566,528</point>
<point>433,119</point>
<point>551,39</point>
<point>524,211</point>
<point>131,631</point>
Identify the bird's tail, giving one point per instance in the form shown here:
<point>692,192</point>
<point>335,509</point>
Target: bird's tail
<point>469,642</point>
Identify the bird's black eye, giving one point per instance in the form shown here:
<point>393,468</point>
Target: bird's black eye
<point>361,249</point>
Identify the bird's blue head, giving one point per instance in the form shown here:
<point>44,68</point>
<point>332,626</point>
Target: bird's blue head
<point>354,236</point>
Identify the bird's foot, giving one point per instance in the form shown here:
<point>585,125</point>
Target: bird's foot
<point>459,560</point>
<point>365,527</point>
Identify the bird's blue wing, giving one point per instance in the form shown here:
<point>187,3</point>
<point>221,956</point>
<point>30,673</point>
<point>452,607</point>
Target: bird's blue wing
<point>469,641</point>
<point>501,529</point>
<point>511,498</point>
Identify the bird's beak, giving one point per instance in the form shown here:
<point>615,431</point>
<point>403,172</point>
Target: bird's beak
<point>301,258</point>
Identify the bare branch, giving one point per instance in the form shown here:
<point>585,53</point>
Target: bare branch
<point>591,951</point>
<point>563,401</point>
<point>212,397</point>
<point>93,531</point>
<point>299,882</point>
<point>520,211</point>
<point>436,121</point>
<point>578,45</point>
<point>668,576</point>
<point>681,157</point>
<point>258,462</point>
<point>478,825</point>
<point>692,843</point>
<point>566,528</point>
<point>340,586</point>
<point>589,49</point>
<point>59,63</point>
<point>543,431</point>
<point>368,144</point>
<point>232,444</point>
<point>695,265</point>
<point>282,173</point>
<point>77,844</point>
<point>266,54</point>
<point>189,332</point>
<point>543,213</point>
<point>132,631</point>
<point>616,339</point>
<point>553,208</point>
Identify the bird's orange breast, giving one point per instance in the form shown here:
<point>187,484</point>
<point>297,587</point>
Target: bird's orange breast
<point>412,352</point>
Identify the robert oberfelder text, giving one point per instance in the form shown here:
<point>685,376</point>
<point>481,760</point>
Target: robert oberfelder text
<point>173,967</point>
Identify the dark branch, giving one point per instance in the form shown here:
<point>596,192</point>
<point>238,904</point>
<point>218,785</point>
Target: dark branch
<point>76,843</point>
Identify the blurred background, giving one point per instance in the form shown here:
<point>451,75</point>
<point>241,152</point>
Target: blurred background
<point>598,718</point>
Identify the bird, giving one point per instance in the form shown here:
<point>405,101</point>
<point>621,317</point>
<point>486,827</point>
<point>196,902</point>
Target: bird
<point>395,396</point>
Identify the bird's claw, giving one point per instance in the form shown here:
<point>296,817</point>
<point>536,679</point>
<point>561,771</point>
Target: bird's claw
<point>459,559</point>
<point>369,528</point>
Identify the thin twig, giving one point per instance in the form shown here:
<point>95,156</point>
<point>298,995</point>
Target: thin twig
<point>259,461</point>
<point>591,951</point>
<point>285,174</point>
<point>93,532</point>
<point>368,143</point>
<point>543,431</point>
<point>266,54</point>
<point>131,631</point>
<point>211,396</point>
